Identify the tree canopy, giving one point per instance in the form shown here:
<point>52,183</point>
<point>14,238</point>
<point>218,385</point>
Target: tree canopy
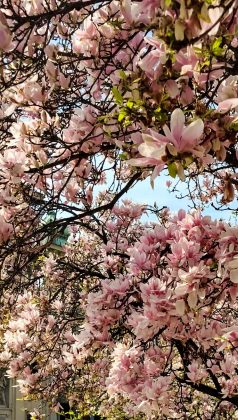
<point>129,320</point>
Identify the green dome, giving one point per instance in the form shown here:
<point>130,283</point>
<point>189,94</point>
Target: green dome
<point>62,237</point>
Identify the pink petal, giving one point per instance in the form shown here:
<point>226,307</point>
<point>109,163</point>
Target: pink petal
<point>154,136</point>
<point>228,104</point>
<point>193,131</point>
<point>156,172</point>
<point>154,42</point>
<point>172,88</point>
<point>177,123</point>
<point>168,134</point>
<point>141,162</point>
<point>126,11</point>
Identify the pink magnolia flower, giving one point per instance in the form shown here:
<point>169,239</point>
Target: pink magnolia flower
<point>228,386</point>
<point>152,63</point>
<point>13,162</point>
<point>179,138</point>
<point>134,12</point>
<point>153,153</point>
<point>196,372</point>
<point>172,88</point>
<point>86,41</point>
<point>228,365</point>
<point>129,11</point>
<point>186,61</point>
<point>156,388</point>
<point>33,92</point>
<point>228,89</point>
<point>184,138</point>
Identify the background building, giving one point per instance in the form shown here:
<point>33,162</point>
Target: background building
<point>12,406</point>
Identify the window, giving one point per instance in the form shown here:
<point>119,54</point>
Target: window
<point>4,390</point>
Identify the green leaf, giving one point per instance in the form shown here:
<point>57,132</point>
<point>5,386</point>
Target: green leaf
<point>117,95</point>
<point>130,104</point>
<point>122,115</point>
<point>188,160</point>
<point>172,168</point>
<point>122,74</point>
<point>167,3</point>
<point>157,110</point>
<point>197,50</point>
<point>216,49</point>
<point>127,121</point>
<point>136,80</point>
<point>123,156</point>
<point>234,125</point>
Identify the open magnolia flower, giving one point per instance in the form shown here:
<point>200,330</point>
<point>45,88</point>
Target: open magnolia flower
<point>184,138</point>
<point>179,138</point>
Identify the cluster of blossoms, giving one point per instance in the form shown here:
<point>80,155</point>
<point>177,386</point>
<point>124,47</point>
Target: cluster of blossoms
<point>110,92</point>
<point>86,82</point>
<point>146,322</point>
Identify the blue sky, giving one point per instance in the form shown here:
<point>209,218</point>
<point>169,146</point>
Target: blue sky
<point>144,193</point>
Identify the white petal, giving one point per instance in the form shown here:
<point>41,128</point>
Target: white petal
<point>177,123</point>
<point>201,293</point>
<point>151,150</point>
<point>234,276</point>
<point>192,299</point>
<point>147,138</point>
<point>193,131</point>
<point>233,264</point>
<point>183,275</point>
<point>180,307</point>
<point>181,290</point>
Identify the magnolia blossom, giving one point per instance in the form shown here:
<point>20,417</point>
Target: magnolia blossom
<point>86,41</point>
<point>196,372</point>
<point>178,139</point>
<point>13,162</point>
<point>136,316</point>
<point>153,61</point>
<point>184,138</point>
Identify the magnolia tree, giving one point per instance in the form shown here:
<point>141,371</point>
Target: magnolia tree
<point>130,319</point>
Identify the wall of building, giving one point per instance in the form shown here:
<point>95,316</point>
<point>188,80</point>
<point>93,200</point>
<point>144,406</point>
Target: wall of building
<point>12,407</point>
